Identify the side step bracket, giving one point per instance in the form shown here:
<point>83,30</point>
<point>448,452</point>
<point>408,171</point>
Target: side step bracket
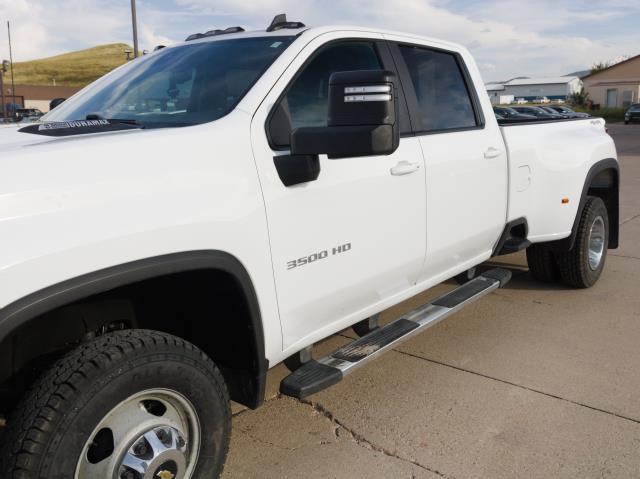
<point>317,375</point>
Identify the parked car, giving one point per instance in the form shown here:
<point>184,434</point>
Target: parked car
<point>541,99</point>
<point>565,110</point>
<point>552,111</point>
<point>28,113</point>
<point>537,112</point>
<point>521,101</point>
<point>10,120</point>
<point>511,114</point>
<point>27,119</point>
<point>632,114</point>
<point>150,275</point>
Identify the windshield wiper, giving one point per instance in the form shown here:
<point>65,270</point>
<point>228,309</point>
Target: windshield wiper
<point>124,121</point>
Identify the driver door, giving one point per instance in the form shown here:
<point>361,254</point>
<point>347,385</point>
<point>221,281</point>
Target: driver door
<point>347,242</point>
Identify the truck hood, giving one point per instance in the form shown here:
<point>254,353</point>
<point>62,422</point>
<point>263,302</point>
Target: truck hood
<point>12,139</point>
<point>70,206</point>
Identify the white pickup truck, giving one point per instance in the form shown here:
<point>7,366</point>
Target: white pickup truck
<point>216,207</point>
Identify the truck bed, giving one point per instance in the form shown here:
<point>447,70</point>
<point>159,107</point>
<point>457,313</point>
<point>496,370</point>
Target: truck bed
<point>547,168</point>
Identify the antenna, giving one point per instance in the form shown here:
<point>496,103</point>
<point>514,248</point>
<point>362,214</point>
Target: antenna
<point>277,20</point>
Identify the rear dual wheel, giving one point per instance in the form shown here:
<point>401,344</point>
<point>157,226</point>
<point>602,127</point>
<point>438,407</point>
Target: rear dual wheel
<point>129,405</point>
<point>542,263</point>
<point>581,266</point>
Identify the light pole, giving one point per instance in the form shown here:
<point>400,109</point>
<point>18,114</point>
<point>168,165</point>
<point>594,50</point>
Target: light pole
<point>134,21</point>
<point>13,84</point>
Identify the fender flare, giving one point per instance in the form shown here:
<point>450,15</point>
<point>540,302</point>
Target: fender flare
<point>614,214</point>
<point>23,310</point>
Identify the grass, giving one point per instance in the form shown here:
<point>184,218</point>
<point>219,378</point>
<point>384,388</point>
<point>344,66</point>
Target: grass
<point>611,115</point>
<point>75,69</point>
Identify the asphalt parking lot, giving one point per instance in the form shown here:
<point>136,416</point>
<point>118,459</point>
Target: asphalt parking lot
<point>532,381</point>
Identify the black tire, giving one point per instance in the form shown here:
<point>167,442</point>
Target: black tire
<point>466,276</point>
<point>574,266</point>
<point>542,263</point>
<point>49,429</point>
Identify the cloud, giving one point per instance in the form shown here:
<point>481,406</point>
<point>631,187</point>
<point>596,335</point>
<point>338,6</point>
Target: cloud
<point>149,39</point>
<point>40,28</point>
<point>513,36</point>
<point>508,37</point>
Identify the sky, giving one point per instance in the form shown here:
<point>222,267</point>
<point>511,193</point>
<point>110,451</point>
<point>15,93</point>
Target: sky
<point>508,38</point>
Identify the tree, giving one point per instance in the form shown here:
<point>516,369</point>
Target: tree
<point>579,97</point>
<point>599,66</point>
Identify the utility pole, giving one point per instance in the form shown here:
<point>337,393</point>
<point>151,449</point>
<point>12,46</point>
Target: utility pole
<point>134,21</point>
<point>13,84</point>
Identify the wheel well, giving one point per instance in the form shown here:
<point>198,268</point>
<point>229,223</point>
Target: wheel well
<point>605,185</point>
<point>603,181</point>
<point>208,308</point>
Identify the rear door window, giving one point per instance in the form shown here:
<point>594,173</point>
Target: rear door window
<point>444,100</point>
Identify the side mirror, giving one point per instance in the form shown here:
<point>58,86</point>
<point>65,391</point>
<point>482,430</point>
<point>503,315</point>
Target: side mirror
<point>362,119</point>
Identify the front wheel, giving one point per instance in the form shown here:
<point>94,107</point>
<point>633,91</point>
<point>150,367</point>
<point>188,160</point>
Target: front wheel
<point>582,266</point>
<point>129,405</point>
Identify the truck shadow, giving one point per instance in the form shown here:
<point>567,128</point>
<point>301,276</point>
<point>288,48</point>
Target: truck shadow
<point>522,279</point>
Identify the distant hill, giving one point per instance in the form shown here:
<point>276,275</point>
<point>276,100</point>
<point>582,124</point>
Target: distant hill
<point>71,69</point>
<point>580,74</point>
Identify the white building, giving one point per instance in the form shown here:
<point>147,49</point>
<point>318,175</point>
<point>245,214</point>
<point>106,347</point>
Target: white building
<point>554,88</point>
<point>496,92</point>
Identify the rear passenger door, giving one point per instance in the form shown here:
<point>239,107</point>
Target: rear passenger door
<point>466,170</point>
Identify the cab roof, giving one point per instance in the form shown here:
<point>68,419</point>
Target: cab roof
<point>281,27</point>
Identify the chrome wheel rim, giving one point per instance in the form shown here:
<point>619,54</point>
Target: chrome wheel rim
<point>153,434</point>
<point>596,243</point>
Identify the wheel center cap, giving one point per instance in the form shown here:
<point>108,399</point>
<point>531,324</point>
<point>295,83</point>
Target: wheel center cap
<point>165,474</point>
<point>158,454</point>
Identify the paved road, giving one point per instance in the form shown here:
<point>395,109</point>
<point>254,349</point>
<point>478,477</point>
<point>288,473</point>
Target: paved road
<point>532,381</point>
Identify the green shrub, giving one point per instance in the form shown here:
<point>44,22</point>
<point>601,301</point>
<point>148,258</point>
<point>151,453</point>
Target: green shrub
<point>609,114</point>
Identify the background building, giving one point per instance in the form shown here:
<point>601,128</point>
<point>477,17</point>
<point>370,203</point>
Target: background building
<point>616,86</point>
<point>496,92</point>
<point>36,96</point>
<point>555,88</point>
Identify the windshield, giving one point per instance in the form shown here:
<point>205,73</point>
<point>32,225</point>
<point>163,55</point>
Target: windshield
<point>634,108</point>
<point>181,86</point>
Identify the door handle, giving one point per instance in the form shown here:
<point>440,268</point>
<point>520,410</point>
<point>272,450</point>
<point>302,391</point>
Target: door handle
<point>404,168</point>
<point>492,153</point>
